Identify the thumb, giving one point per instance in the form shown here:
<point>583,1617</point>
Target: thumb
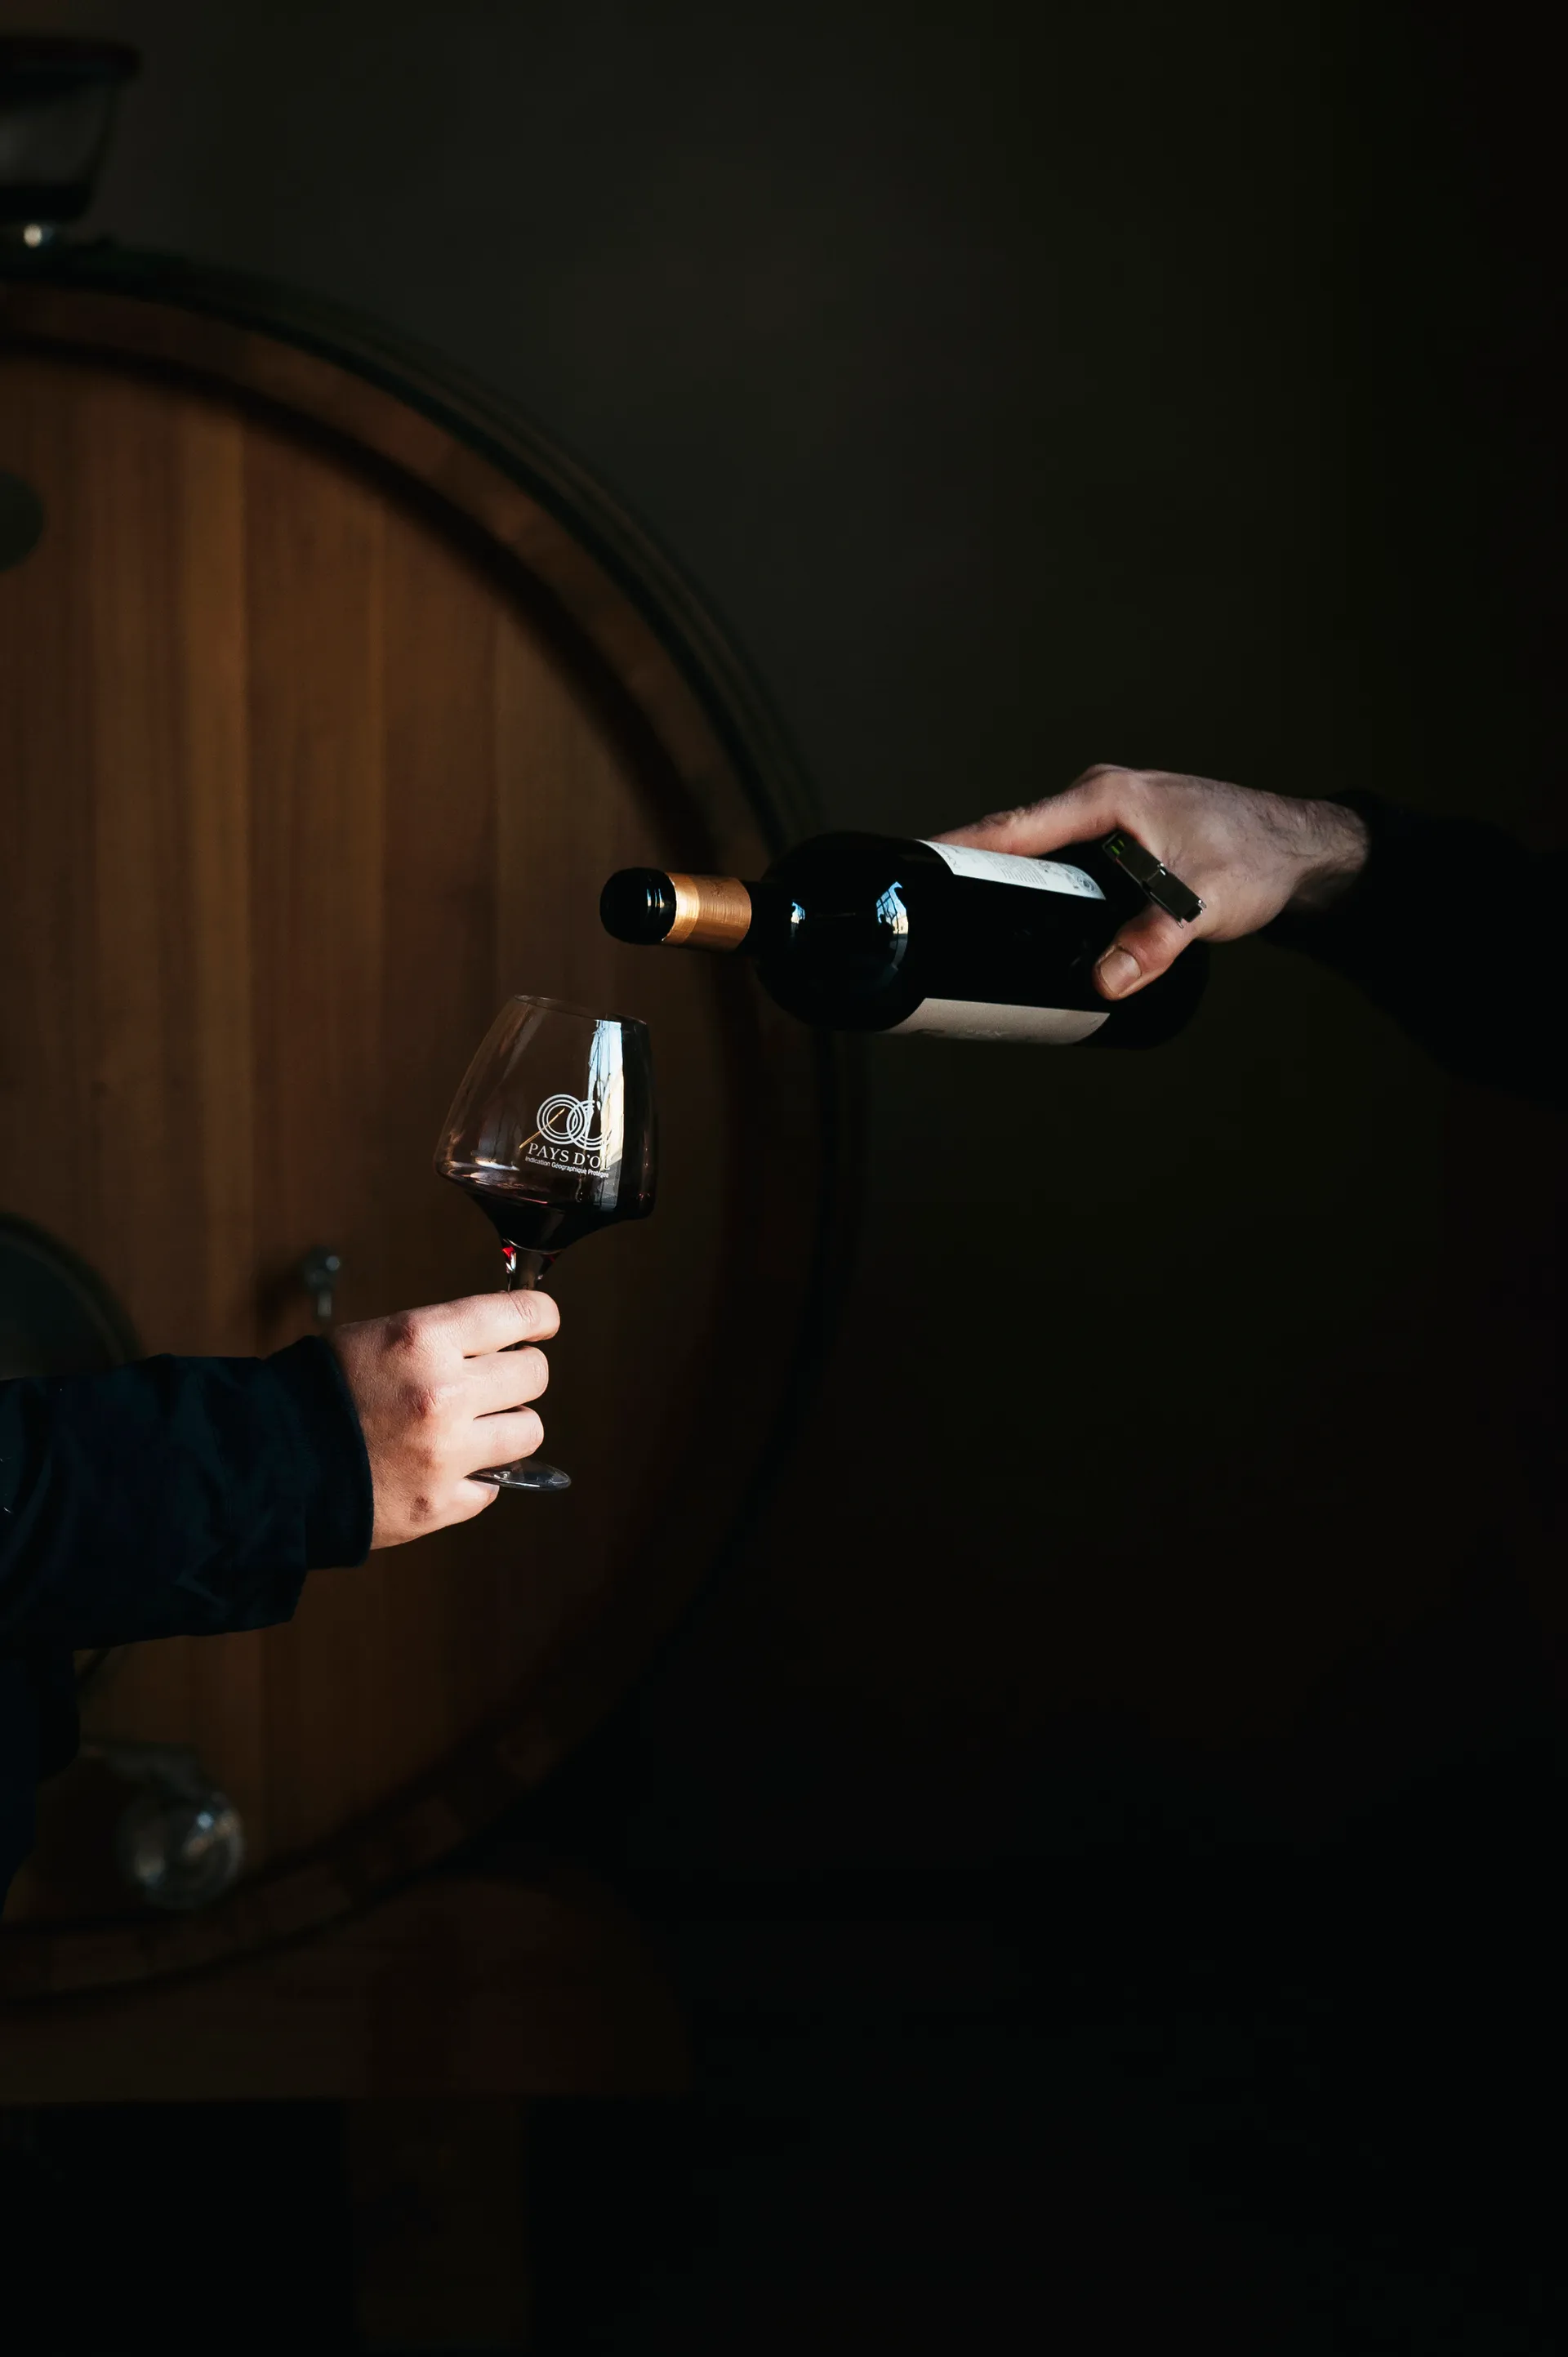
<point>1145,947</point>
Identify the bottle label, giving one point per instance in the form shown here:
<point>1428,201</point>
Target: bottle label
<point>1006,867</point>
<point>970,1018</point>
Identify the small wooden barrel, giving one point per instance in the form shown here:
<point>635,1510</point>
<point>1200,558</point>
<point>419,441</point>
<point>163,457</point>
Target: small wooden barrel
<point>329,696</point>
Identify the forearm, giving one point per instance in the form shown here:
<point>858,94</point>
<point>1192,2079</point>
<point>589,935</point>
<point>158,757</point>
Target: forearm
<point>178,1496</point>
<point>1451,926</point>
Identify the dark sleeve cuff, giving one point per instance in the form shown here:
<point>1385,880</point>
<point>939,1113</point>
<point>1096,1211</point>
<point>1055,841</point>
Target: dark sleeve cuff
<point>337,1502</point>
<point>1453,928</point>
<point>1356,934</point>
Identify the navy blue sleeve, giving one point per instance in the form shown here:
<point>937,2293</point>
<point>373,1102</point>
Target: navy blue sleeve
<point>179,1497</point>
<point>1454,928</point>
<point>38,1737</point>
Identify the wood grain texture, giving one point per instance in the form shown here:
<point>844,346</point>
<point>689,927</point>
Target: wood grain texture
<point>304,774</point>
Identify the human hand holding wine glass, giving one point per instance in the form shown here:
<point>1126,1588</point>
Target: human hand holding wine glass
<point>436,1390</point>
<point>552,1134</point>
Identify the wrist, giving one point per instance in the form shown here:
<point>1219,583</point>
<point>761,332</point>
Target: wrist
<point>1333,855</point>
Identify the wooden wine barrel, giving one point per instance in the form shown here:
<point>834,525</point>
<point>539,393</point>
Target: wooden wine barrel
<point>329,695</point>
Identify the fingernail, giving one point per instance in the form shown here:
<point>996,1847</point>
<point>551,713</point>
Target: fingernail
<point>1117,972</point>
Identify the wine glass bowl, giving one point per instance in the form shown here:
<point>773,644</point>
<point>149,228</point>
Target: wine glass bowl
<point>552,1134</point>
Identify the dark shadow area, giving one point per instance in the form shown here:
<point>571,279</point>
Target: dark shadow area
<point>195,2226</point>
<point>1296,2093</point>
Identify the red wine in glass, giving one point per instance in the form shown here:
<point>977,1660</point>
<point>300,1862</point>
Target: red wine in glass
<point>552,1134</point>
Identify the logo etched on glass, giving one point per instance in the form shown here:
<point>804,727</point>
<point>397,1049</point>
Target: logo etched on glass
<point>565,1138</point>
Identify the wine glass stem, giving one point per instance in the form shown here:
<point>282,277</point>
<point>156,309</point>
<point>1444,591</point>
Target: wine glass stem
<point>526,1270</point>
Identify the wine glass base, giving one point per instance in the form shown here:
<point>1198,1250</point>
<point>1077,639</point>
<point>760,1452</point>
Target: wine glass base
<point>528,1473</point>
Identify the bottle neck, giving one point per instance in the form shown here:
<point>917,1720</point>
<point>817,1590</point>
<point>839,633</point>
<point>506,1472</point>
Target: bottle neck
<point>646,906</point>
<point>712,912</point>
<point>526,1270</point>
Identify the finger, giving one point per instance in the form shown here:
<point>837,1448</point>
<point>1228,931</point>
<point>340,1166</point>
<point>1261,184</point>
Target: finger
<point>536,1315</point>
<point>1101,799</point>
<point>1143,949</point>
<point>503,1379</point>
<point>498,1439</point>
<point>481,1322</point>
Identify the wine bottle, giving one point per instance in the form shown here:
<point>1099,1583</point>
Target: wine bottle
<point>871,932</point>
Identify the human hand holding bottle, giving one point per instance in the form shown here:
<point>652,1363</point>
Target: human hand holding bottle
<point>1248,855</point>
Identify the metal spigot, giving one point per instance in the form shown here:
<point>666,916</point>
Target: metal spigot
<point>318,1273</point>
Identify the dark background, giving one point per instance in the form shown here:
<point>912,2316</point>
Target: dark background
<point>1108,1814</point>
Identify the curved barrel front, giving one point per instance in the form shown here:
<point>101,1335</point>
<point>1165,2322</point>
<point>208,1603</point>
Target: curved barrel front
<point>329,696</point>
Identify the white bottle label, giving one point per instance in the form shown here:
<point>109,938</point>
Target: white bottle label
<point>1005,867</point>
<point>970,1018</point>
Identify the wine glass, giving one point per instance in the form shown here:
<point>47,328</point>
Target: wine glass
<point>552,1134</point>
